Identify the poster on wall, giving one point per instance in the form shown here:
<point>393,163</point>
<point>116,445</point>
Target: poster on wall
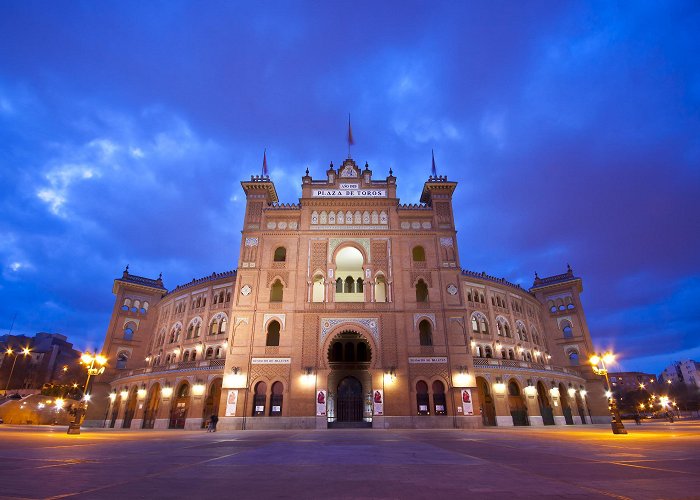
<point>467,404</point>
<point>321,403</point>
<point>378,399</point>
<point>231,402</point>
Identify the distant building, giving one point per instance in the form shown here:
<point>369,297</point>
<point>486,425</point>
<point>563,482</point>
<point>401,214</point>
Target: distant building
<point>624,382</point>
<point>687,372</point>
<point>51,360</point>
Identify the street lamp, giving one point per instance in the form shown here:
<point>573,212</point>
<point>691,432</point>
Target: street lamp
<point>9,352</point>
<point>95,366</point>
<point>598,364</point>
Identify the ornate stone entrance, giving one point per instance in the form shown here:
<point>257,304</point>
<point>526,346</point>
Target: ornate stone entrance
<point>349,382</point>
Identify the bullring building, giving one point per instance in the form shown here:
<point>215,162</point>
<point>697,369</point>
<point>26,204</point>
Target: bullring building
<point>348,309</point>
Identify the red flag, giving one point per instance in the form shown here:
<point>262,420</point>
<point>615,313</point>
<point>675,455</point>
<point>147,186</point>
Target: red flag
<point>351,141</point>
<point>264,170</point>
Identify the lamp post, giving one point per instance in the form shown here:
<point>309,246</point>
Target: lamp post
<point>95,366</point>
<point>8,352</point>
<point>598,364</point>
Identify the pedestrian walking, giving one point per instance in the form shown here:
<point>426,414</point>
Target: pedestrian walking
<point>213,420</point>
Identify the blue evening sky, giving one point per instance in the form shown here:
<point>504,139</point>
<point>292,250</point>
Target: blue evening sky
<point>572,128</point>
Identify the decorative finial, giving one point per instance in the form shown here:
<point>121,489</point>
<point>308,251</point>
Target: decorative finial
<point>366,166</point>
<point>390,171</point>
<point>126,269</point>
<point>331,164</point>
<point>536,276</point>
<point>160,276</point>
<point>568,268</point>
<point>307,171</point>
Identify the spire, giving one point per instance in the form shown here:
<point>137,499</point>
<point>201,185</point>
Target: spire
<point>433,172</point>
<point>264,165</point>
<point>351,140</point>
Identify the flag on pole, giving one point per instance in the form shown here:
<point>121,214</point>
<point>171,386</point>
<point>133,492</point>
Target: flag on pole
<point>264,168</point>
<point>351,141</point>
<point>434,171</point>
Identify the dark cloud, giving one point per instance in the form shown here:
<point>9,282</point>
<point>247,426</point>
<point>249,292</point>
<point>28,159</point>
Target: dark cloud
<point>572,128</point>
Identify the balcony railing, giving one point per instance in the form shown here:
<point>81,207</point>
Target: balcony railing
<point>512,363</point>
<point>205,364</point>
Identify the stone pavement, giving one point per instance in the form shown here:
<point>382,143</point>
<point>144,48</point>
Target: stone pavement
<point>656,460</point>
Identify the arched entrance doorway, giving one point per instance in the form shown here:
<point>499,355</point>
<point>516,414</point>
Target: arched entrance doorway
<point>545,405</point>
<point>152,404</point>
<point>130,409</point>
<point>565,406</point>
<point>211,403</point>
<point>349,383</point>
<point>349,400</point>
<point>181,403</point>
<point>488,409</point>
<point>518,410</point>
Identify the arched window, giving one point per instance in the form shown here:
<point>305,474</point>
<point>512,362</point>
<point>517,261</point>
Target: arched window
<point>566,330</point>
<point>422,399</point>
<point>488,353</point>
<point>276,399</point>
<point>280,254</point>
<point>506,329</point>
<point>573,358</point>
<point>475,324</point>
<point>127,305</point>
<point>317,289</point>
<point>214,327</point>
<point>349,285</point>
<point>224,324</point>
<point>418,254</point>
<point>339,285</point>
<point>209,353</point>
<point>439,398</point>
<point>190,331</point>
<point>484,325</point>
<point>349,352</point>
<point>362,353</point>
<point>122,359</point>
<point>425,332</point>
<point>349,263</point>
<point>421,291</point>
<point>276,291</point>
<point>129,330</point>
<point>513,389</point>
<point>273,334</point>
<point>186,356</point>
<point>360,285</point>
<point>380,289</point>
<point>337,352</point>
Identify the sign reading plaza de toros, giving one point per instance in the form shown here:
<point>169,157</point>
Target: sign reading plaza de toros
<point>349,191</point>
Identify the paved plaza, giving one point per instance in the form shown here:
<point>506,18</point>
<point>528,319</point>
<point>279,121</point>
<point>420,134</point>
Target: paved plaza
<point>656,460</point>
